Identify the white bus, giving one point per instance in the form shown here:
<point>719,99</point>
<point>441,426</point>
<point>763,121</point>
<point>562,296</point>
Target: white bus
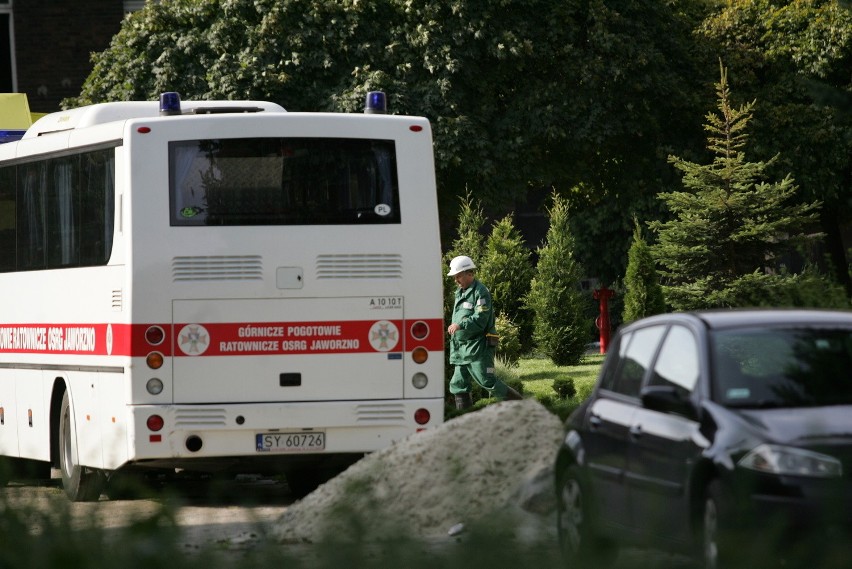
<point>216,286</point>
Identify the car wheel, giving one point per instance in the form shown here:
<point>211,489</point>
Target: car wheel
<point>81,484</point>
<point>715,551</point>
<point>577,542</point>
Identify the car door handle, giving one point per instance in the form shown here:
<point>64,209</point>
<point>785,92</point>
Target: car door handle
<point>636,431</point>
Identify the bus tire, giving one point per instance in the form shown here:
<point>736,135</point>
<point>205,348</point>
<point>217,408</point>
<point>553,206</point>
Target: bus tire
<point>304,480</point>
<point>12,468</point>
<point>6,469</point>
<point>81,483</point>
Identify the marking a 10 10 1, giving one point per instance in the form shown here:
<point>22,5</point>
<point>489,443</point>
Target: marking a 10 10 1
<point>386,302</point>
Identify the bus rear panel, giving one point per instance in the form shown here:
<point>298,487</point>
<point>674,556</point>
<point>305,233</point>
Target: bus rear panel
<point>229,291</point>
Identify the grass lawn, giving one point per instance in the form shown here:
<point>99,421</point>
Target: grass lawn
<point>537,375</point>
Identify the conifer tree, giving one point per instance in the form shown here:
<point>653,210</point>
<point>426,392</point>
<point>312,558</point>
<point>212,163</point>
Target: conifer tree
<point>730,226</point>
<point>470,242</point>
<point>643,293</point>
<point>561,327</point>
<point>506,270</point>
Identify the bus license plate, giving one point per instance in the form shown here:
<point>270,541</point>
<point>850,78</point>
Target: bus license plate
<point>290,442</point>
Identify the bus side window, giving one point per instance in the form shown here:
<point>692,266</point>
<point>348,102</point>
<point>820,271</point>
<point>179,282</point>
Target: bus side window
<point>97,205</point>
<point>7,219</point>
<point>31,216</point>
<point>63,213</point>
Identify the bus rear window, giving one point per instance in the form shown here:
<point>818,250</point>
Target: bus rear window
<point>283,181</point>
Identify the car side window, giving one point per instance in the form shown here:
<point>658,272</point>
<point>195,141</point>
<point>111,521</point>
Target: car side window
<point>677,364</point>
<point>613,359</point>
<point>638,351</point>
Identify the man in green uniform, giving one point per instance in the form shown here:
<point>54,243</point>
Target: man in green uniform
<point>473,323</point>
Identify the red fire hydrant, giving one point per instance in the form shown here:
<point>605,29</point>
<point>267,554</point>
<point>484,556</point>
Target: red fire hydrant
<point>603,295</point>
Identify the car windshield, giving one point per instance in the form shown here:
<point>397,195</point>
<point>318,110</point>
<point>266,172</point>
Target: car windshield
<point>789,367</point>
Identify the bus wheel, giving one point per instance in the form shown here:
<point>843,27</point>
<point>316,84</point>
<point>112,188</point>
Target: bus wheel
<point>23,469</point>
<point>6,468</point>
<point>81,484</point>
<point>304,480</point>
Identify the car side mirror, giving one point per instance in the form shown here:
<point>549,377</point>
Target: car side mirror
<point>667,399</point>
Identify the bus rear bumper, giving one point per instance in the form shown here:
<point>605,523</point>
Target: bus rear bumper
<point>199,433</point>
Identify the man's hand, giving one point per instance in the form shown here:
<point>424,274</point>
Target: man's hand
<point>452,329</point>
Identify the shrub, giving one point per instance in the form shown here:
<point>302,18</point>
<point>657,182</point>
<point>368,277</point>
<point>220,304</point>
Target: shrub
<point>516,384</point>
<point>643,294</point>
<point>554,297</point>
<point>506,270</point>
<point>564,387</point>
<point>468,242</point>
<point>509,351</point>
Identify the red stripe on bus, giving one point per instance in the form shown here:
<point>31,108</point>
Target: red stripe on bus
<point>221,338</point>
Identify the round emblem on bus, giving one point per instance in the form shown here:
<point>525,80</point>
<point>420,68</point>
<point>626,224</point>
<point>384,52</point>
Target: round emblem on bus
<point>193,339</point>
<point>382,209</point>
<point>384,336</point>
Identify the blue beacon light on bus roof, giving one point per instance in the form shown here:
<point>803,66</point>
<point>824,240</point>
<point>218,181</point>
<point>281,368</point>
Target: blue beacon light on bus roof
<point>376,103</point>
<point>169,103</point>
<point>11,135</point>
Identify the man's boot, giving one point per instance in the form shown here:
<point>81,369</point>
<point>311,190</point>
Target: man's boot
<point>512,395</point>
<point>463,401</point>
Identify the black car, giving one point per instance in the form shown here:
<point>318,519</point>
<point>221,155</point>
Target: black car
<point>724,434</point>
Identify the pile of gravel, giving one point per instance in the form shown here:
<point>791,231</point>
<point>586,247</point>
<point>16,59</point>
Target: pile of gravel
<point>478,465</point>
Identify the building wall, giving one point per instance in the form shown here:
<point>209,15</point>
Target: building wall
<point>53,43</point>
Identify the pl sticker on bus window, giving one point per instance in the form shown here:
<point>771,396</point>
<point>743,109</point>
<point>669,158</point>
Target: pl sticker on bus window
<point>384,336</point>
<point>193,339</point>
<point>382,209</point>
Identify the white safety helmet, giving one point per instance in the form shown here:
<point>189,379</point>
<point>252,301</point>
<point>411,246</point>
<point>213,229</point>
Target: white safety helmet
<point>460,264</point>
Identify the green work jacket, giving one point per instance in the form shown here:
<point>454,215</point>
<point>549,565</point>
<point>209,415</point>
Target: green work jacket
<point>474,313</point>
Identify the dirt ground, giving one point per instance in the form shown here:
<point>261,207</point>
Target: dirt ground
<point>497,461</point>
<point>233,516</point>
<point>242,514</point>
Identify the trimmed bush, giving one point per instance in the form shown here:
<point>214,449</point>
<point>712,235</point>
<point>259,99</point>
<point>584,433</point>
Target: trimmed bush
<point>564,387</point>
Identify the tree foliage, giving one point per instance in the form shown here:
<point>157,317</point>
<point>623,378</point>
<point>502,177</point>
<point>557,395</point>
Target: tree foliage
<point>506,270</point>
<point>509,351</point>
<point>469,241</point>
<point>520,93</point>
<point>585,96</point>
<point>730,224</point>
<point>561,330</point>
<point>643,293</point>
<point>795,57</point>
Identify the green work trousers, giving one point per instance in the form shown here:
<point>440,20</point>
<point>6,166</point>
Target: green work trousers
<point>482,374</point>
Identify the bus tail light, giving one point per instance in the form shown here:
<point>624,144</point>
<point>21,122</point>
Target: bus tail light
<point>154,386</point>
<point>155,423</point>
<point>422,416</point>
<point>419,380</point>
<point>155,335</point>
<point>154,360</point>
<point>419,330</point>
<point>420,355</point>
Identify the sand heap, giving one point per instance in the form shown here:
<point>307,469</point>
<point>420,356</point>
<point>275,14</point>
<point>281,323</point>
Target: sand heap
<point>469,468</point>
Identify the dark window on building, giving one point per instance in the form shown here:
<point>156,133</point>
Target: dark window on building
<point>7,81</point>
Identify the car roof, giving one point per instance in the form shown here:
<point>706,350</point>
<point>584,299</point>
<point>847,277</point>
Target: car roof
<point>751,317</point>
